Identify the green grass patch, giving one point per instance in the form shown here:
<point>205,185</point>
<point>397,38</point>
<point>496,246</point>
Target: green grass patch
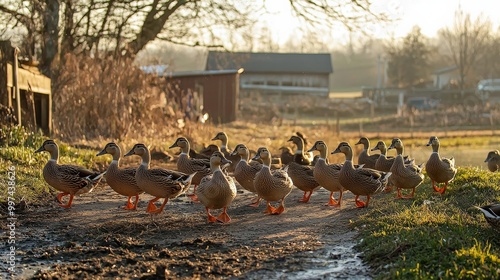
<point>434,236</point>
<point>17,151</point>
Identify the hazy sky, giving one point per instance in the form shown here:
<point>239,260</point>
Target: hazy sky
<point>430,15</point>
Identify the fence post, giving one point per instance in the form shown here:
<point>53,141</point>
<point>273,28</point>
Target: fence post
<point>15,83</point>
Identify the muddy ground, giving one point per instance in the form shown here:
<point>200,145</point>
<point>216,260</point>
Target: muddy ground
<point>96,239</point>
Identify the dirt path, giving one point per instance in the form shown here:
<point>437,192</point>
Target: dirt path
<point>95,239</point>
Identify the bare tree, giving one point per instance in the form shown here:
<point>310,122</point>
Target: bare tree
<point>353,14</point>
<point>124,27</point>
<point>408,62</point>
<point>489,64</point>
<point>467,41</point>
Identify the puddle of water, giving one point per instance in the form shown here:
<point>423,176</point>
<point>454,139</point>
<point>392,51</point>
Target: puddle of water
<point>332,262</point>
<point>337,260</point>
<point>30,243</point>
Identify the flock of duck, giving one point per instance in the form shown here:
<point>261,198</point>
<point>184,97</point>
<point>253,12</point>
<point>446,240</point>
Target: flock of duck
<point>215,179</point>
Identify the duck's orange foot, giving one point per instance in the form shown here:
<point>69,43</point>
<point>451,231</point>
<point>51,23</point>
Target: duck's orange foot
<point>151,206</point>
<point>211,219</point>
<point>306,197</point>
<point>193,197</point>
<point>439,190</point>
<point>129,205</point>
<point>68,205</point>
<point>333,203</point>
<point>152,210</point>
<point>224,218</point>
<point>388,189</point>
<point>361,204</point>
<point>60,196</point>
<point>279,210</point>
<point>269,209</point>
<point>400,196</point>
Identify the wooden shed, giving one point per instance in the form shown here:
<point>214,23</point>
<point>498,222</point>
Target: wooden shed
<point>24,91</point>
<point>213,92</point>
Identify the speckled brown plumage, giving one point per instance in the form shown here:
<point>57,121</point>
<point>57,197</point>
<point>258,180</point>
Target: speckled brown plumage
<point>493,161</point>
<point>299,156</point>
<point>301,173</point>
<point>189,165</point>
<point>286,155</point>
<point>404,176</point>
<point>121,180</point>
<point>364,157</point>
<point>217,190</point>
<point>222,136</point>
<point>327,175</point>
<point>244,172</point>
<point>439,169</point>
<point>70,180</point>
<point>383,162</point>
<point>272,185</point>
<point>160,183</point>
<point>209,150</point>
<point>360,181</point>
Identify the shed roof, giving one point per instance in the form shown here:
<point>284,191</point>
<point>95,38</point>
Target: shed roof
<point>202,73</point>
<point>319,63</point>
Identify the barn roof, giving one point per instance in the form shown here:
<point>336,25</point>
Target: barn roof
<point>318,63</point>
<point>204,73</point>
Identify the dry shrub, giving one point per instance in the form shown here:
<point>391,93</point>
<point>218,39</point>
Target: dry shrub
<point>111,98</point>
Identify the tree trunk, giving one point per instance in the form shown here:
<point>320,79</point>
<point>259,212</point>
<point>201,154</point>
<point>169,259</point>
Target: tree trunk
<point>68,41</point>
<point>153,25</point>
<point>50,35</point>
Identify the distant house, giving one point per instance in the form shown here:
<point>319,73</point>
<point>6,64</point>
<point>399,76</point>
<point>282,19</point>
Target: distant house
<point>445,77</point>
<point>277,73</point>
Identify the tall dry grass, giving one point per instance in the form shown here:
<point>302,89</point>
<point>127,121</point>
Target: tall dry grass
<point>111,98</point>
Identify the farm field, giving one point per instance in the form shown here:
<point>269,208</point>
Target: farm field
<point>99,240</point>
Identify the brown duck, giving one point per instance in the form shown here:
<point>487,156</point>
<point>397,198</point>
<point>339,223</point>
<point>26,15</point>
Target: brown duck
<point>299,156</point>
<point>68,179</point>
<point>404,176</point>
<point>189,165</point>
<point>121,180</point>
<point>327,175</point>
<point>222,136</point>
<point>364,157</point>
<point>493,161</point>
<point>360,181</point>
<point>217,190</point>
<point>272,185</point>
<point>160,183</point>
<point>244,172</point>
<point>302,175</point>
<point>439,169</point>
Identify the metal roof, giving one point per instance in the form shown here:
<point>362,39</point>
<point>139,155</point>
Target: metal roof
<point>318,63</point>
<point>202,73</point>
